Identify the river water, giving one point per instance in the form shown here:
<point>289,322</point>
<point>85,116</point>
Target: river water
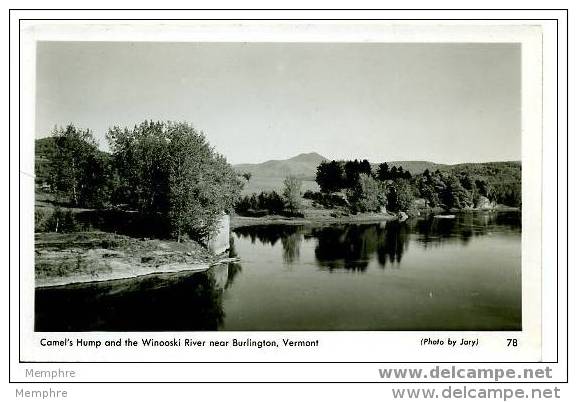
<point>423,274</point>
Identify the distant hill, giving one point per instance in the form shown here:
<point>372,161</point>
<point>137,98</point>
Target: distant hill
<point>303,166</point>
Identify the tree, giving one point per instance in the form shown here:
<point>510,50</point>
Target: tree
<point>330,177</point>
<point>78,171</point>
<point>428,186</point>
<point>365,167</point>
<point>292,193</point>
<point>400,196</point>
<point>169,168</point>
<point>352,172</point>
<point>141,159</point>
<point>454,195</point>
<point>383,172</point>
<point>247,175</point>
<point>368,195</point>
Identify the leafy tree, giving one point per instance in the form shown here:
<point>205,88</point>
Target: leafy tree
<point>169,168</point>
<point>330,177</point>
<point>292,193</point>
<point>78,171</point>
<point>400,196</point>
<point>368,195</point>
<point>383,172</point>
<point>353,169</point>
<point>142,162</point>
<point>364,167</point>
<point>428,187</point>
<point>454,195</point>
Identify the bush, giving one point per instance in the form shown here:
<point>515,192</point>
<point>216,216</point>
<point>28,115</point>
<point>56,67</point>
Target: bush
<point>58,221</point>
<point>325,199</point>
<point>262,204</point>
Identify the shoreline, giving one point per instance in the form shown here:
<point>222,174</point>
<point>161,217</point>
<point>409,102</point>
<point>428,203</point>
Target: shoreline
<point>90,257</point>
<point>84,257</point>
<point>120,275</point>
<point>237,221</point>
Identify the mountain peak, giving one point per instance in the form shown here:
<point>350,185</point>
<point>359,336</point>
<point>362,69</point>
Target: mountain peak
<point>302,165</point>
<point>310,156</point>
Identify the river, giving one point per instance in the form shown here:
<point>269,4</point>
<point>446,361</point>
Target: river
<point>423,274</point>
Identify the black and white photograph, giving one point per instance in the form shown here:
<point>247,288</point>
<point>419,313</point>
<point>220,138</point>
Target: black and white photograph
<point>257,186</point>
<point>279,197</point>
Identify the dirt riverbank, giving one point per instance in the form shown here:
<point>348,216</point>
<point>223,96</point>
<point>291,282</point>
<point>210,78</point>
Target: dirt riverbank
<point>64,258</point>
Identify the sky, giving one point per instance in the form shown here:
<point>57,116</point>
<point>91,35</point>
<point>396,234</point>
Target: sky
<point>445,103</point>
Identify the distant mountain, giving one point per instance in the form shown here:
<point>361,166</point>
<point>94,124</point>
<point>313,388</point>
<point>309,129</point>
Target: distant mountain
<point>303,165</point>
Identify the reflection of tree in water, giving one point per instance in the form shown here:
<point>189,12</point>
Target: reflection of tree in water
<point>392,243</point>
<point>435,232</point>
<point>291,247</point>
<point>234,268</point>
<point>290,236</point>
<point>267,234</point>
<point>351,247</point>
<point>182,302</point>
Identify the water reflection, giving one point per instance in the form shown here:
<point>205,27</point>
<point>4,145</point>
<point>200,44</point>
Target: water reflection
<point>433,231</point>
<point>267,234</point>
<point>169,302</point>
<point>234,268</point>
<point>474,287</point>
<point>351,247</point>
<point>291,247</point>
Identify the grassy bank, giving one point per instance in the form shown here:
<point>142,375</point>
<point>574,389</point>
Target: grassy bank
<point>312,216</point>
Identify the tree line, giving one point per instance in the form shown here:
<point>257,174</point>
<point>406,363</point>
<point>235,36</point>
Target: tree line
<point>161,168</point>
<point>462,186</point>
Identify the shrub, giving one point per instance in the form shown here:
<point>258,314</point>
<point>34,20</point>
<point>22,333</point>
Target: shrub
<point>58,221</point>
<point>327,200</point>
<point>261,204</point>
<point>292,194</point>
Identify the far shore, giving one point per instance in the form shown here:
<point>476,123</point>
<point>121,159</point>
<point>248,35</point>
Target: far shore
<point>321,217</point>
<point>241,221</point>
